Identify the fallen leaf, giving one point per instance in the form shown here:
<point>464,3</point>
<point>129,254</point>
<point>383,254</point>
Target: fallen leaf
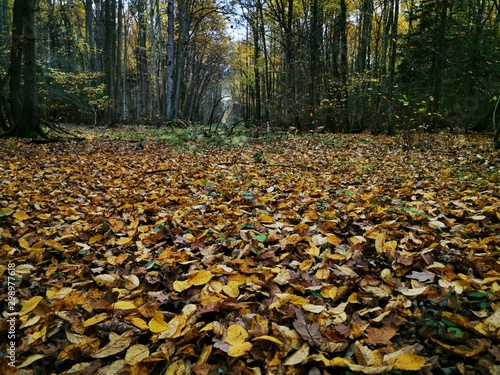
<point>115,346</point>
<point>136,353</point>
<point>30,305</point>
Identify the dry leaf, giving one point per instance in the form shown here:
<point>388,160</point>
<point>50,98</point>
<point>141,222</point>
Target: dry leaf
<point>116,345</point>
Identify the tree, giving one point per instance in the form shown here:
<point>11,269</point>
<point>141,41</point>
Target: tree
<point>22,70</point>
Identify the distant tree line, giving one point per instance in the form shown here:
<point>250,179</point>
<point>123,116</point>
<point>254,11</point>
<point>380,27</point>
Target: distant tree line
<point>378,65</point>
<point>365,65</point>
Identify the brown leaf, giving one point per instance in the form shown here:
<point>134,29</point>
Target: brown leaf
<point>380,336</point>
<point>309,332</point>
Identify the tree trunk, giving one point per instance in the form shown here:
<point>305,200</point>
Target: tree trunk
<point>314,57</point>
<point>27,122</point>
<point>437,72</point>
<point>170,113</point>
<point>392,67</point>
<point>16,59</point>
<point>184,20</point>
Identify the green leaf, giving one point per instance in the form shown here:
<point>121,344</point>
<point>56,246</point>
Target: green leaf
<point>478,295</point>
<point>458,332</point>
<point>448,322</point>
<point>261,237</point>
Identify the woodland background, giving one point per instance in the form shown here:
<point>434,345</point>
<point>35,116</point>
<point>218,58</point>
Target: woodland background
<point>378,65</point>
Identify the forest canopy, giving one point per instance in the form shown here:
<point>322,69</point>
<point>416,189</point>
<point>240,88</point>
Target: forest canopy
<point>377,65</point>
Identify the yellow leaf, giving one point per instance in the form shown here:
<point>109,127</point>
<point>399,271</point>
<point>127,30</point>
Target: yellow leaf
<point>293,239</point>
<point>21,215</point>
<point>132,282</point>
<point>6,211</point>
<point>409,362</point>
<point>32,358</point>
<point>24,244</point>
<point>123,241</point>
<point>95,319</point>
<point>157,324</point>
<point>139,323</point>
<point>231,289</point>
<point>380,242</point>
<point>298,356</point>
<point>180,286</point>
<point>332,239</point>
<point>124,305</point>
<point>95,239</point>
<point>236,334</point>
<point>329,291</point>
<point>239,349</point>
<point>353,298</point>
<point>30,305</point>
<point>30,322</point>
<point>55,245</point>
<point>136,353</point>
<point>43,216</point>
<point>365,356</point>
<point>492,324</point>
<point>175,326</point>
<point>266,219</point>
<point>281,298</point>
<point>306,264</point>
<point>40,334</point>
<point>115,346</point>
<point>200,278</point>
<point>269,338</point>
<point>323,274</point>
<point>335,362</point>
<point>205,355</point>
<point>179,367</point>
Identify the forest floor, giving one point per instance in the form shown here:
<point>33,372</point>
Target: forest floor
<point>290,254</point>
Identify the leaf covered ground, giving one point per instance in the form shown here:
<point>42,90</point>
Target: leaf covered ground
<point>292,255</point>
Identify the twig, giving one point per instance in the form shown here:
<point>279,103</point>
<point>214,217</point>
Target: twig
<point>163,170</point>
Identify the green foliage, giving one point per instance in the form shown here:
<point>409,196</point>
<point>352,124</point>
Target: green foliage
<point>73,97</point>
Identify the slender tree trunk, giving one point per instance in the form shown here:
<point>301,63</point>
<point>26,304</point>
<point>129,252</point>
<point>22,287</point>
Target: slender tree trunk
<point>89,34</point>
<point>439,56</point>
<point>364,36</point>
<point>98,37</point>
<point>156,98</point>
<point>161,60</point>
<point>392,67</point>
<point>171,109</point>
<point>184,20</point>
<point>119,59</point>
<point>256,56</point>
<point>30,120</point>
<point>16,58</point>
<point>109,52</point>
<point>314,57</point>
<point>142,63</point>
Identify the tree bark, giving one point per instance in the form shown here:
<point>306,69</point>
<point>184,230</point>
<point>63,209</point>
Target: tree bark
<point>27,123</point>
<point>170,112</point>
<point>392,67</point>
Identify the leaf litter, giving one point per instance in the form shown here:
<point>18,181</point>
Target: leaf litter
<point>339,254</point>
